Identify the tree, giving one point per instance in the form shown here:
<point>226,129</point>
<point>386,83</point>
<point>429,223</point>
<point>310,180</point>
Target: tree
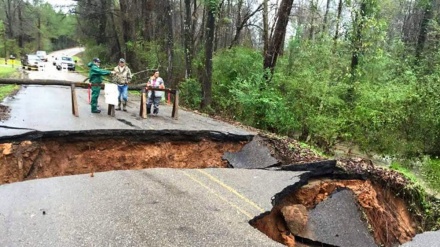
<point>188,39</point>
<point>275,45</point>
<point>212,7</point>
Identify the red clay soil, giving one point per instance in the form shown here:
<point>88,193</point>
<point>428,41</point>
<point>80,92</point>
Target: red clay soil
<point>386,214</point>
<point>30,160</point>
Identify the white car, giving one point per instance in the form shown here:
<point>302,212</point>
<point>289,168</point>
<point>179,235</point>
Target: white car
<point>42,55</point>
<point>64,61</point>
<point>32,61</point>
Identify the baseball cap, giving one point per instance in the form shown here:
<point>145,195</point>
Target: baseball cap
<point>122,60</point>
<point>96,60</point>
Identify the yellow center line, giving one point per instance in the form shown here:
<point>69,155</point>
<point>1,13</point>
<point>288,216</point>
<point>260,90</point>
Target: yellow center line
<point>232,190</point>
<point>218,195</point>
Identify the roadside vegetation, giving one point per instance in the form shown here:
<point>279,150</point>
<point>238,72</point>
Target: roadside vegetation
<point>6,90</point>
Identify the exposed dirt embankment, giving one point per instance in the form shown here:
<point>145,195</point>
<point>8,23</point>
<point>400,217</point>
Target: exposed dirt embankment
<point>41,159</point>
<point>386,214</point>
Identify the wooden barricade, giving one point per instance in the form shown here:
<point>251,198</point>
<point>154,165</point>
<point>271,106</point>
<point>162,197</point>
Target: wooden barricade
<point>143,105</point>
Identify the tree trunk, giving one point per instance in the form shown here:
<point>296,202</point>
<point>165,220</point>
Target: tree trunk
<point>324,22</point>
<point>170,43</point>
<point>101,38</point>
<point>312,20</point>
<point>276,43</point>
<point>338,21</point>
<point>265,27</point>
<point>357,39</point>
<point>39,41</point>
<point>128,30</point>
<point>427,15</point>
<point>188,39</point>
<point>20,24</point>
<point>209,45</point>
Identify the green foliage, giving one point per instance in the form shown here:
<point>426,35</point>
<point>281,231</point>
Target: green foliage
<point>149,53</point>
<point>190,92</point>
<point>431,173</point>
<point>313,84</point>
<point>93,51</point>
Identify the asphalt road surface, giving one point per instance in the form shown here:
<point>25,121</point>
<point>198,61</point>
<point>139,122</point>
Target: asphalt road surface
<point>152,207</point>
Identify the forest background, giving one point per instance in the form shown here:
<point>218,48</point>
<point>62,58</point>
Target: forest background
<point>363,73</point>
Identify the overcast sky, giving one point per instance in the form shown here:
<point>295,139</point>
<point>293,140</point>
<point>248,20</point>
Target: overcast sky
<point>60,2</point>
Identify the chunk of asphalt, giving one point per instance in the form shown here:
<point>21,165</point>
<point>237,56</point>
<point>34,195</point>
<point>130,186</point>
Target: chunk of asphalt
<point>426,239</point>
<point>318,168</point>
<point>338,221</point>
<point>253,155</point>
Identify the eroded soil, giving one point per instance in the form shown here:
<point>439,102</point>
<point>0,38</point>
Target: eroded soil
<point>388,216</point>
<point>42,159</point>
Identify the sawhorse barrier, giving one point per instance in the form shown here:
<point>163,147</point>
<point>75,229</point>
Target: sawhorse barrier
<point>143,105</point>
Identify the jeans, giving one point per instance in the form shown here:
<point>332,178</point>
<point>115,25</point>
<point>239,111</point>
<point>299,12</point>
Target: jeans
<point>123,92</point>
<point>155,101</point>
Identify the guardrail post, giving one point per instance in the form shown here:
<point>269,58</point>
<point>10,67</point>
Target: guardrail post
<point>74,101</point>
<point>175,113</point>
<point>111,110</point>
<point>143,107</point>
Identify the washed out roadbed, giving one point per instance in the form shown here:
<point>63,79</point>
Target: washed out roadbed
<point>320,210</point>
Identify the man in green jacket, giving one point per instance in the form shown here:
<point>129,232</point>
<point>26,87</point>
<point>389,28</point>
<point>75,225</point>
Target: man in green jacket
<point>95,78</point>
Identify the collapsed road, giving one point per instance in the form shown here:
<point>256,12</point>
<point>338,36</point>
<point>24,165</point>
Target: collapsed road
<point>96,180</point>
<point>97,191</point>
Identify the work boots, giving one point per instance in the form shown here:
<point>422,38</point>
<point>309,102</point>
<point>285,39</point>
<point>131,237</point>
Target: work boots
<point>156,111</point>
<point>119,106</point>
<point>124,106</point>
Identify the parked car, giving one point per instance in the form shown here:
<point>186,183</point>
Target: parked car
<point>31,61</point>
<point>67,61</point>
<point>42,55</point>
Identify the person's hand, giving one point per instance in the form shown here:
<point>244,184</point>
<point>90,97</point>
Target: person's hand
<point>113,73</point>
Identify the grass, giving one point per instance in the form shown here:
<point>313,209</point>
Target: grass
<point>405,171</point>
<point>426,174</point>
<point>7,72</point>
<point>6,90</point>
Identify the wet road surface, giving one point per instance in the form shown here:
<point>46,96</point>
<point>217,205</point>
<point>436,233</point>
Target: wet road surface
<point>152,207</point>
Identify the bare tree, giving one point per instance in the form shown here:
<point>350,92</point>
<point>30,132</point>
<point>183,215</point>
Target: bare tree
<point>276,42</point>
<point>241,22</point>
